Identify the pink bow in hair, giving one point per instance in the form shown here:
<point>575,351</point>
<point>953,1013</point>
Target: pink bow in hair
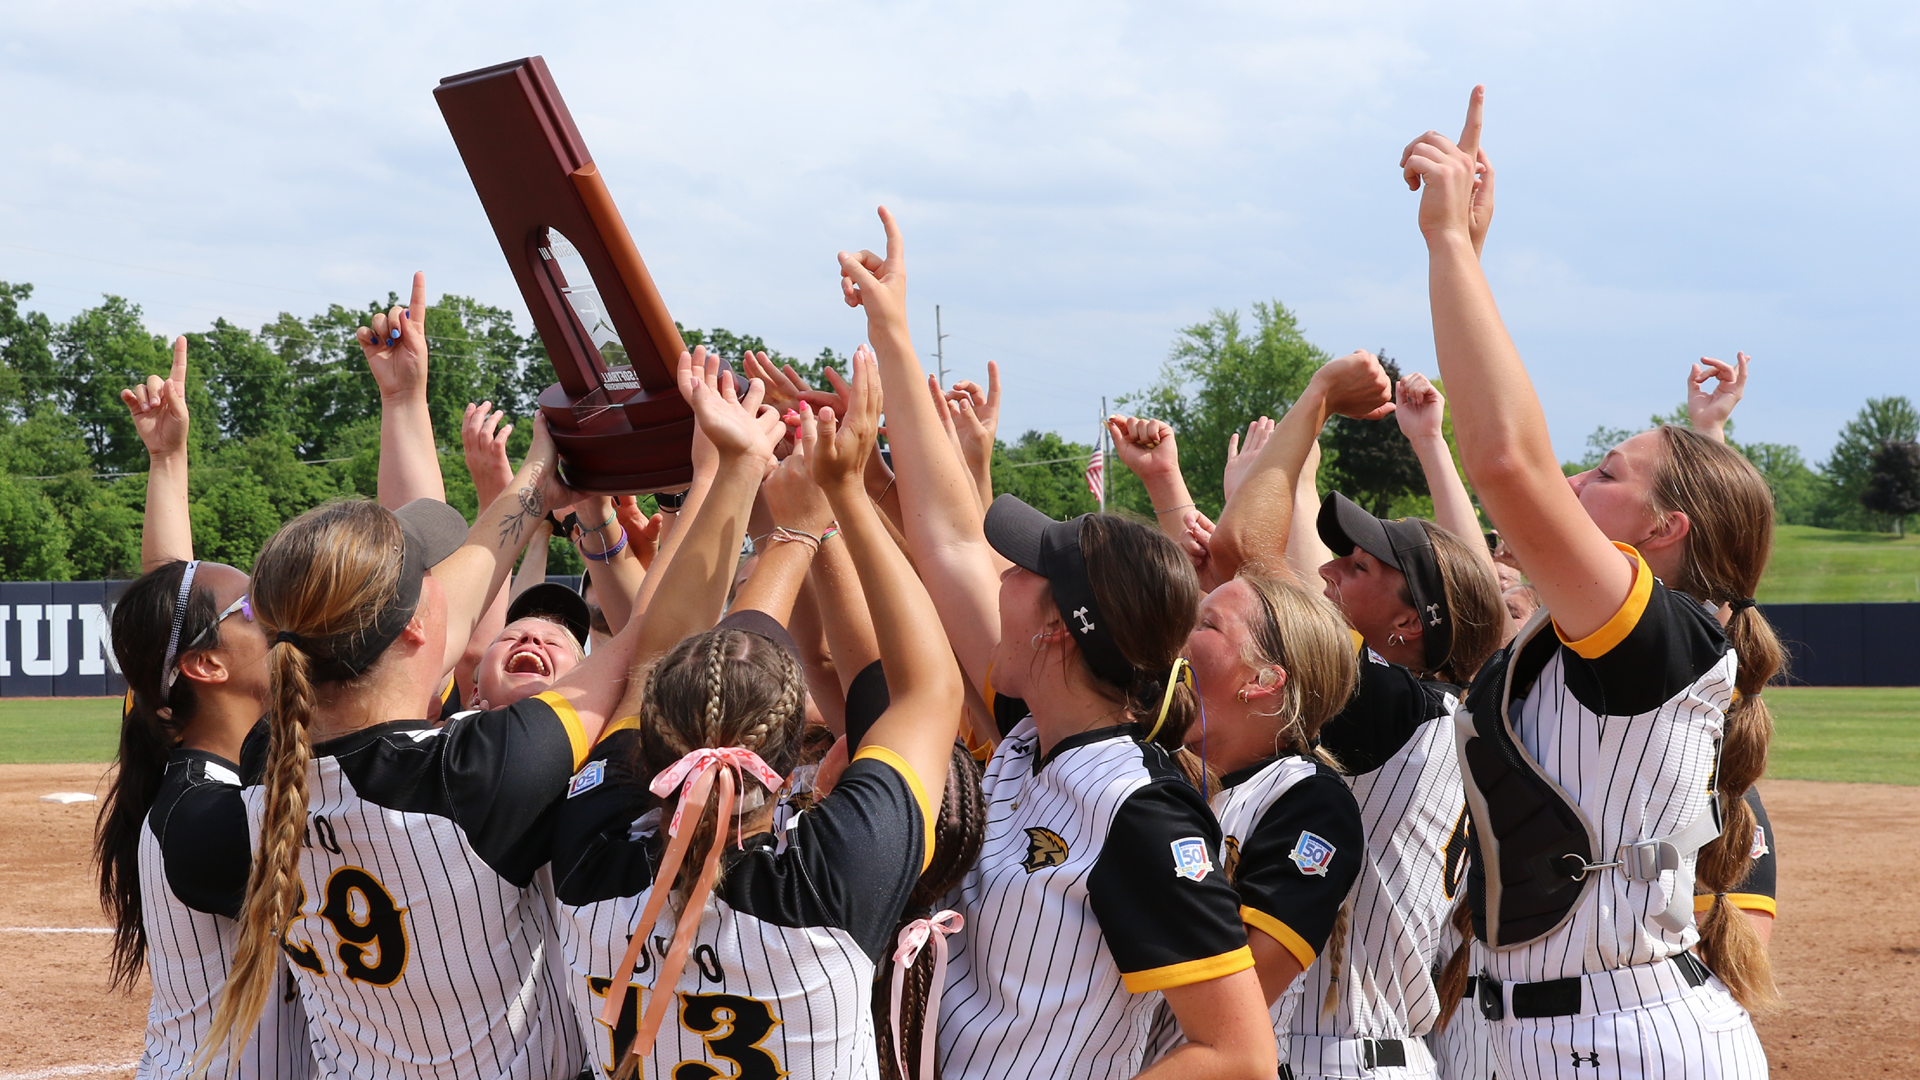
<point>914,937</point>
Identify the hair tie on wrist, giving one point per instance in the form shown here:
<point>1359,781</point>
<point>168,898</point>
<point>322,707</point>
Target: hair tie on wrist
<point>1742,603</point>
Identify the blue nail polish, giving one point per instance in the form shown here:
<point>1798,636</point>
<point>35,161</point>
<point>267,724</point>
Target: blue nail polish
<point>393,335</point>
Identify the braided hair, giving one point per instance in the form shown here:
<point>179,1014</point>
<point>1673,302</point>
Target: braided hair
<point>958,832</point>
<point>725,687</point>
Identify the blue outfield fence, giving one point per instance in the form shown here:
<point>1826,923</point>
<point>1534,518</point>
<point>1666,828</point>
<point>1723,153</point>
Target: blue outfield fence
<point>54,640</point>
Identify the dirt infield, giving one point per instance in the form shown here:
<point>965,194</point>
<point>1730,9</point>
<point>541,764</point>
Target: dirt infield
<point>1847,946</point>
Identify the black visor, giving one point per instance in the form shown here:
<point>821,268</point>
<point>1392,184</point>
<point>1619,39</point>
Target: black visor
<point>554,602</point>
<point>431,531</point>
<point>1403,544</point>
<point>1033,541</point>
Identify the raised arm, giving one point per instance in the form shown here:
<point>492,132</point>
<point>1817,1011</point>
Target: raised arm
<point>696,573</point>
<point>1151,451</point>
<point>1497,420</point>
<point>483,445</point>
<point>159,409</point>
<point>1255,523</point>
<point>1306,552</point>
<point>1420,410</point>
<point>800,515</point>
<point>923,686</point>
<point>939,513</point>
<point>395,345</point>
<point>1709,410</point>
<point>617,578</point>
<point>976,417</point>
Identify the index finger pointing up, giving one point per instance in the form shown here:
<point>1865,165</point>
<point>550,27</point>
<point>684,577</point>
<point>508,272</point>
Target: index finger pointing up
<point>419,301</point>
<point>896,248</point>
<point>179,373</point>
<point>1470,134</point>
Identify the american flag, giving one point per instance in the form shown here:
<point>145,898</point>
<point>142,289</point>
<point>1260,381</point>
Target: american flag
<point>1094,468</point>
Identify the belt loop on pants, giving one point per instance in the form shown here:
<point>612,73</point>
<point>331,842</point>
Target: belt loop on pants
<point>1560,997</point>
<point>1383,1053</point>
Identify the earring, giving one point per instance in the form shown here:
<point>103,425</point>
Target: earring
<point>1244,696</point>
<point>1396,639</point>
<point>1038,645</point>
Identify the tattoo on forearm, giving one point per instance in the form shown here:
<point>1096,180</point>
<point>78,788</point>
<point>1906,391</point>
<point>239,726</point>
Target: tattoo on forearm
<point>530,506</point>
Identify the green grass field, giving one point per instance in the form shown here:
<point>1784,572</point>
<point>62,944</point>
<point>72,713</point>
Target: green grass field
<point>61,730</point>
<point>1814,566</point>
<point>1859,734</point>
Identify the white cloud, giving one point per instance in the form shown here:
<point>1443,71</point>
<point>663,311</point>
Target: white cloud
<point>1077,180</point>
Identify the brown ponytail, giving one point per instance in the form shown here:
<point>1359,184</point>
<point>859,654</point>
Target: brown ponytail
<point>323,577</point>
<point>958,832</point>
<point>148,733</point>
<point>1452,983</point>
<point>1730,517</point>
<point>1146,587</point>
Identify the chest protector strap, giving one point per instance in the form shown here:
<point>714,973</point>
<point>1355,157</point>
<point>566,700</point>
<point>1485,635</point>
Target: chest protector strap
<point>1534,857</point>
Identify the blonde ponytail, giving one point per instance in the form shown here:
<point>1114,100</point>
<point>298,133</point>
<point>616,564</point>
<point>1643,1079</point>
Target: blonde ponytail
<point>273,884</point>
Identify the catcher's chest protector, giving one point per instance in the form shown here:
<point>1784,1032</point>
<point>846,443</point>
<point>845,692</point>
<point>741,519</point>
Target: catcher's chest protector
<point>1529,829</point>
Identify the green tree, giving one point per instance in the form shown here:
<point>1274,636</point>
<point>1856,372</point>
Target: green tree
<point>1798,491</point>
<point>33,535</point>
<point>1046,472</point>
<point>1847,469</point>
<point>26,354</point>
<point>476,355</point>
<point>98,353</point>
<point>1893,483</point>
<point>248,384</point>
<point>1370,461</point>
<point>1217,379</point>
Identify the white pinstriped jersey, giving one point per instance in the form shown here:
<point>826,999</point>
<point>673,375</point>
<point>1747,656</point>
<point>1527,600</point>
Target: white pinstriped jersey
<point>1627,721</point>
<point>424,944</point>
<point>1264,810</point>
<point>1463,1050</point>
<point>196,835</point>
<point>779,979</point>
<point>1097,886</point>
<point>1412,808</point>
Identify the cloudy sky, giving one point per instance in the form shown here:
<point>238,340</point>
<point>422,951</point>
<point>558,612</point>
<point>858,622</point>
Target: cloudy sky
<point>1076,180</point>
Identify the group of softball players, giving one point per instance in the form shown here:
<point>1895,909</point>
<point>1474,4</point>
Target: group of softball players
<point>932,785</point>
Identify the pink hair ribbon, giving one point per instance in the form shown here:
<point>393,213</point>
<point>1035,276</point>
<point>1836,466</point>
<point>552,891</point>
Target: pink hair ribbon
<point>913,937</point>
<point>695,776</point>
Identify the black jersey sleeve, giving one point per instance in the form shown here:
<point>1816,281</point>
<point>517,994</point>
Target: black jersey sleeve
<point>1654,647</point>
<point>1295,868</point>
<point>867,698</point>
<point>1169,915</point>
<point>596,852</point>
<point>253,752</point>
<point>503,770</point>
<point>859,852</point>
<point>1756,891</point>
<point>204,846</point>
<point>1388,706</point>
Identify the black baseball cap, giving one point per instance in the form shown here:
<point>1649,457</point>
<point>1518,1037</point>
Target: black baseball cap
<point>1403,544</point>
<point>555,602</point>
<point>1033,541</point>
<point>431,530</point>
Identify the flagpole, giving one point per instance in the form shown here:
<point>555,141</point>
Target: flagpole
<point>1100,446</point>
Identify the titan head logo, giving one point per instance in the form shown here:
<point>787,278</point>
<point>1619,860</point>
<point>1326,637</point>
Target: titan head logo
<point>1229,856</point>
<point>1044,849</point>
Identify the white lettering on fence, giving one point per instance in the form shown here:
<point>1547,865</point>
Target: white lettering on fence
<point>96,646</point>
<point>31,662</point>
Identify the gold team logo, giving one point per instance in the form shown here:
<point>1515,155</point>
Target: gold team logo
<point>1044,849</point>
<point>1229,856</point>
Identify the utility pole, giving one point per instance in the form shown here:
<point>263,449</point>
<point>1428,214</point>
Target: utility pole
<point>939,348</point>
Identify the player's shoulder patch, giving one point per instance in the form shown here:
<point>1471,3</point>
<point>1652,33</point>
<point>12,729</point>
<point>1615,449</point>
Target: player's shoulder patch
<point>1312,854</point>
<point>1190,859</point>
<point>1376,658</point>
<point>1044,848</point>
<point>588,778</point>
<point>1759,847</point>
